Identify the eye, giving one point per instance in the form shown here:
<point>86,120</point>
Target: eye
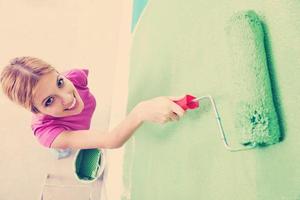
<point>60,82</point>
<point>49,101</point>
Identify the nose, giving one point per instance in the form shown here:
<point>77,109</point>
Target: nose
<point>67,99</point>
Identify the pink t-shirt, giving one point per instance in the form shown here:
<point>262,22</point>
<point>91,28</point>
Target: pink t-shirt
<point>46,128</point>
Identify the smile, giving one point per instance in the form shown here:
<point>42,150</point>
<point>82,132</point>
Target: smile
<point>72,105</point>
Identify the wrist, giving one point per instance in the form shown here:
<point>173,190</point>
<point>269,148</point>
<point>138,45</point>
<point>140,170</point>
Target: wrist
<point>136,113</point>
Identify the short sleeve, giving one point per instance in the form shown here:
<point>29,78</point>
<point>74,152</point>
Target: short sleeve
<point>47,134</point>
<point>78,77</point>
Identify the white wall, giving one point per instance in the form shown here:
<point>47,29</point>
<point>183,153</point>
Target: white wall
<point>67,34</point>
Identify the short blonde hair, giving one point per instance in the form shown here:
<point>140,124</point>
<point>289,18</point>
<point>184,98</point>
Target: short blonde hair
<point>19,78</point>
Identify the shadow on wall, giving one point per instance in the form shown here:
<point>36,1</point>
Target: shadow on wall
<point>273,78</point>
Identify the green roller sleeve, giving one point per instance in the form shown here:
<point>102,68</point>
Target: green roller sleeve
<point>88,164</point>
<point>253,108</point>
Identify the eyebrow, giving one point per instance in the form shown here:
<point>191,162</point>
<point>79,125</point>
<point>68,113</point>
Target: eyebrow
<point>49,96</point>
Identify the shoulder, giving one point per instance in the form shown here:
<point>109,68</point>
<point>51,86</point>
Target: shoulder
<point>46,130</point>
<point>78,77</point>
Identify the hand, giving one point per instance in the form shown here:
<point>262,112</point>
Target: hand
<point>159,110</point>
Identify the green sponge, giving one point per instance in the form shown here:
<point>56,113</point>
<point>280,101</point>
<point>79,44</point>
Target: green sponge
<point>253,107</point>
<point>89,164</point>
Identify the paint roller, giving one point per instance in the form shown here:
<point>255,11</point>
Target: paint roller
<point>89,164</point>
<point>254,112</point>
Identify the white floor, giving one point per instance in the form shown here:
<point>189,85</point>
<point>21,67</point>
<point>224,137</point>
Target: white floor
<point>67,34</point>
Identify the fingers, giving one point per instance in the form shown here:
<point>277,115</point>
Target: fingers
<point>161,110</point>
<point>170,117</point>
<point>173,117</point>
<point>175,113</point>
<point>177,109</point>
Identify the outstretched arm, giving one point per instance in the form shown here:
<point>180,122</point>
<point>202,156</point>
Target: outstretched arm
<point>158,110</point>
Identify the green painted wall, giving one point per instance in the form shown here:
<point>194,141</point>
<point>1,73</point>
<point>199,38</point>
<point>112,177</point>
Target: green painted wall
<point>181,47</point>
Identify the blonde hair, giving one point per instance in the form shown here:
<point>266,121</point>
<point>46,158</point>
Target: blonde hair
<point>19,78</point>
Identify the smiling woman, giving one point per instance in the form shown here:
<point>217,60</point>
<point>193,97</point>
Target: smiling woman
<point>63,106</point>
<point>55,99</point>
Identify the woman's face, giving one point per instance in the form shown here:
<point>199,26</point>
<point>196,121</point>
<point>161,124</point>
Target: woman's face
<point>55,95</point>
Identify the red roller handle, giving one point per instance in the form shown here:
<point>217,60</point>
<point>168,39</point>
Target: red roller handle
<point>187,102</point>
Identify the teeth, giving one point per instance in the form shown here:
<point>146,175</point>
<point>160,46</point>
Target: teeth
<point>73,104</point>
